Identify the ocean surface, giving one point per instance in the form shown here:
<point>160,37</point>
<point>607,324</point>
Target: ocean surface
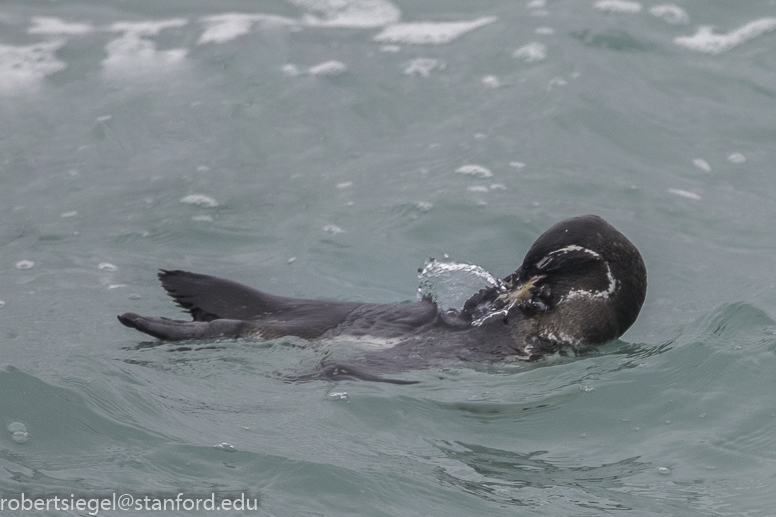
<point>327,149</point>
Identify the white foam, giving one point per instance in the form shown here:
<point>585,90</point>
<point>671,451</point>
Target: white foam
<point>537,7</point>
<point>736,158</point>
<point>355,14</point>
<point>475,170</point>
<point>422,66</point>
<point>333,228</point>
<point>684,193</point>
<point>477,188</point>
<point>200,200</point>
<point>23,68</point>
<point>391,49</point>
<point>291,70</point>
<point>133,55</point>
<point>707,42</point>
<point>556,81</point>
<point>491,81</point>
<point>531,52</point>
<point>670,13</point>
<point>151,28</point>
<point>618,6</point>
<point>328,68</point>
<point>107,266</point>
<point>55,26</point>
<point>702,164</point>
<point>435,33</point>
<point>544,31</point>
<point>221,28</point>
<point>517,165</point>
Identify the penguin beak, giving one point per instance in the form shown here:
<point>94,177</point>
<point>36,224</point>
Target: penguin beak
<point>523,291</point>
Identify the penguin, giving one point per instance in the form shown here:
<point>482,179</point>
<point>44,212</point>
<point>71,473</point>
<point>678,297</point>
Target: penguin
<point>581,283</point>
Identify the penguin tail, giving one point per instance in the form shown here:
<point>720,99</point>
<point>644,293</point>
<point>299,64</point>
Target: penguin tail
<point>177,330</point>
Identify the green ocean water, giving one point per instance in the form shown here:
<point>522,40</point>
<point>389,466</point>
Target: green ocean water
<point>326,149</point>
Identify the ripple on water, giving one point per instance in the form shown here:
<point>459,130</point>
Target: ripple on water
<point>25,264</point>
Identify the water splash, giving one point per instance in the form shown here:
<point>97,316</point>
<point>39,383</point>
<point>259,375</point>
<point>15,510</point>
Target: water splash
<point>450,284</point>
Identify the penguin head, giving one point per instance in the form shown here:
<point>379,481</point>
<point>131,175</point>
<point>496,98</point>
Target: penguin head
<point>581,283</point>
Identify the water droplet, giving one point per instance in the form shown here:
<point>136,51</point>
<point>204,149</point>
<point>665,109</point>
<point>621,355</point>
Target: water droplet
<point>20,437</point>
<point>107,266</point>
<point>17,426</point>
<point>25,264</point>
<point>531,52</point>
<point>491,81</point>
<point>475,170</point>
<point>664,471</point>
<point>200,200</point>
<point>330,68</point>
<point>291,70</point>
<point>226,447</point>
<point>702,164</point>
<point>333,228</point>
